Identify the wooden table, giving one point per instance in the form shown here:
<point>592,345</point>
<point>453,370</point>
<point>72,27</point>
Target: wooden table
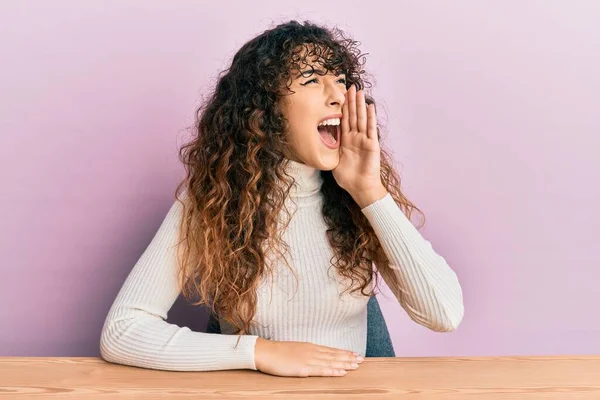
<point>473,378</point>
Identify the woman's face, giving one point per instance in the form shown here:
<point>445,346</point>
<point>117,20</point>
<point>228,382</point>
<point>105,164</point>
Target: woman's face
<point>317,98</point>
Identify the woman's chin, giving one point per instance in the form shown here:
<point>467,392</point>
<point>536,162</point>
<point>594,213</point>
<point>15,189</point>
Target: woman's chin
<point>330,161</point>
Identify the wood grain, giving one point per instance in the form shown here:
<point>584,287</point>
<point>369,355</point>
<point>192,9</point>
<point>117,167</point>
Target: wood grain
<point>473,378</point>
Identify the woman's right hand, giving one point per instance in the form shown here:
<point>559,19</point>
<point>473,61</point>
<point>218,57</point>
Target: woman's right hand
<point>302,359</point>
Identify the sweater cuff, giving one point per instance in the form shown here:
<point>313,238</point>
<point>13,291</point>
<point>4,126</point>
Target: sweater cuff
<point>244,353</point>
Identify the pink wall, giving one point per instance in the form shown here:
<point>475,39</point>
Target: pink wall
<point>493,110</point>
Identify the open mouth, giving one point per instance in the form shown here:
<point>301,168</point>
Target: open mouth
<point>329,134</point>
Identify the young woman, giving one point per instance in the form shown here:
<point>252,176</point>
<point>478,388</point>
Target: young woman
<point>288,210</point>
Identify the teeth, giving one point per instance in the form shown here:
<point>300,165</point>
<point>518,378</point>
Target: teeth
<point>332,121</point>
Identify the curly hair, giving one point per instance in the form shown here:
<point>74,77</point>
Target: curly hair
<point>236,184</point>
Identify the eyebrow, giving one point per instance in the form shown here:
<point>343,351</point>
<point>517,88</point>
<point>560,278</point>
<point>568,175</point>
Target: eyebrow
<point>318,71</point>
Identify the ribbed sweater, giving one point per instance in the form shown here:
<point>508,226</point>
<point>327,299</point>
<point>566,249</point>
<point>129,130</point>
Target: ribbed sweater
<point>310,309</point>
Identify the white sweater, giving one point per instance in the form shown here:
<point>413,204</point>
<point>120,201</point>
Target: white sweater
<point>135,331</point>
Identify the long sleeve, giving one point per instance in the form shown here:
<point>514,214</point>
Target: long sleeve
<point>429,289</point>
<point>135,331</point>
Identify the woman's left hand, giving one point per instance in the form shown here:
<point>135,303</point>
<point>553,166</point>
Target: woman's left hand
<point>358,171</point>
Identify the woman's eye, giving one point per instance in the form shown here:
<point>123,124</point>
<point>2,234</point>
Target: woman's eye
<point>341,80</point>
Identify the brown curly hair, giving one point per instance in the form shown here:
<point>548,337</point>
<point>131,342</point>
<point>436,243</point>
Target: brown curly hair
<point>236,183</point>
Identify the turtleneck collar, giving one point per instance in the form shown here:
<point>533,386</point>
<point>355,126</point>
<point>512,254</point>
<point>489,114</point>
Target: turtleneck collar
<point>308,179</point>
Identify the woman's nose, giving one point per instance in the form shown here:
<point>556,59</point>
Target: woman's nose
<point>338,96</point>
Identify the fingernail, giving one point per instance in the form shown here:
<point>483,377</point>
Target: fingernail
<point>360,358</point>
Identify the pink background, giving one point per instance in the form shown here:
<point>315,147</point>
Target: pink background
<point>492,108</point>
